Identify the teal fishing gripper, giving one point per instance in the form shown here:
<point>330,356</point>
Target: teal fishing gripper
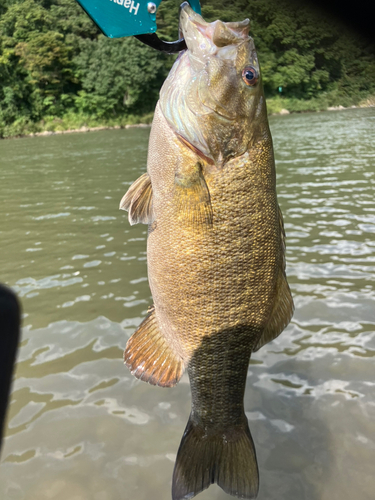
<point>121,18</point>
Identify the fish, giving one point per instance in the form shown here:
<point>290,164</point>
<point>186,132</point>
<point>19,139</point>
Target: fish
<point>215,249</point>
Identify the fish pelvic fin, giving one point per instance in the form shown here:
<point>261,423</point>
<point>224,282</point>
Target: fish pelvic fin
<point>138,201</point>
<point>227,458</point>
<point>150,358</point>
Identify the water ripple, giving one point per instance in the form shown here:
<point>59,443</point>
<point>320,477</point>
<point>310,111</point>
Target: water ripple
<point>81,272</point>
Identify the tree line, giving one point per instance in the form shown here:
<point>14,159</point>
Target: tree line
<point>54,62</point>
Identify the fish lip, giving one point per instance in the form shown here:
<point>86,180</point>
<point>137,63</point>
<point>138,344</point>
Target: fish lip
<point>192,21</point>
<point>187,13</point>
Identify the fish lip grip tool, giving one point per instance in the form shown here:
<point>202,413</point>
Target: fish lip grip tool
<point>121,18</point>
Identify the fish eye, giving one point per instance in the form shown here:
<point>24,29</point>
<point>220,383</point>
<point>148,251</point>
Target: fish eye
<point>250,76</point>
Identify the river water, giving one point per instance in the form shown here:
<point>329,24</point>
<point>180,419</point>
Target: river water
<point>80,426</point>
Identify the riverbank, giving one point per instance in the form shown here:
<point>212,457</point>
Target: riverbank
<point>72,123</point>
<point>85,129</point>
<point>78,123</point>
<point>325,102</point>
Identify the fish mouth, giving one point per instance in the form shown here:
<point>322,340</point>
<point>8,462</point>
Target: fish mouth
<point>208,42</point>
<point>218,34</point>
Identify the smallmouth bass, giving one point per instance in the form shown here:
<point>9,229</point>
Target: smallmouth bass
<point>215,249</point>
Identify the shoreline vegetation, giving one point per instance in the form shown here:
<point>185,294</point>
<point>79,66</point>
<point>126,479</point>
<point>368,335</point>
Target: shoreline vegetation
<point>72,123</point>
<point>59,74</point>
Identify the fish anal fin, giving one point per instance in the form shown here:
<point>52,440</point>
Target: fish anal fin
<point>193,197</point>
<point>227,458</point>
<point>138,201</point>
<point>150,358</point>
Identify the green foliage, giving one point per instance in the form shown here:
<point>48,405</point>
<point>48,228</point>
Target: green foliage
<point>35,65</point>
<point>118,76</point>
<point>55,63</point>
<point>304,51</point>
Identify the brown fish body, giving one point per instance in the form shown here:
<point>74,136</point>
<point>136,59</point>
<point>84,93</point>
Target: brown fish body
<point>206,279</point>
<point>216,262</point>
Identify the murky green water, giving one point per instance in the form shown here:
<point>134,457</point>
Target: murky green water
<point>80,427</point>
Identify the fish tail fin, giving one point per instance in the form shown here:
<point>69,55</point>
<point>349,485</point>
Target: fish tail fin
<point>227,458</point>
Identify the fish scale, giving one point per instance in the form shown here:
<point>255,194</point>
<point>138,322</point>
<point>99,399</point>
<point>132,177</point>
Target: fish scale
<point>215,254</point>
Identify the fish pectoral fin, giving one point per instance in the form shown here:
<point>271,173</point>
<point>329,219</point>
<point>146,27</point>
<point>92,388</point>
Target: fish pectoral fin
<point>138,201</point>
<point>150,358</point>
<point>193,197</point>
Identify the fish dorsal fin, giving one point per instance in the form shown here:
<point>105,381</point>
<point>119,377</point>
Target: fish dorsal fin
<point>138,201</point>
<point>193,197</point>
<point>283,307</point>
<point>150,358</point>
